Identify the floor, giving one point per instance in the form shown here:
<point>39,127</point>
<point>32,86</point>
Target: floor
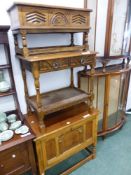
<point>113,156</point>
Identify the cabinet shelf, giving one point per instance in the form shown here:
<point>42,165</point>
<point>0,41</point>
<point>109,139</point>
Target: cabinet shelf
<point>10,92</point>
<point>59,99</point>
<point>5,66</point>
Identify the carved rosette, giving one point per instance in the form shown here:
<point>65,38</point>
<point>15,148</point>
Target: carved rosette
<point>59,19</point>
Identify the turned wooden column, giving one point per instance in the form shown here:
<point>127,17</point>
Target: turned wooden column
<point>85,41</point>
<point>72,39</point>
<point>16,42</point>
<point>72,78</point>
<point>24,43</point>
<point>36,75</point>
<point>92,86</point>
<point>25,87</point>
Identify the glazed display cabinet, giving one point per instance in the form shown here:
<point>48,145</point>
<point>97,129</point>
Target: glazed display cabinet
<point>16,152</point>
<point>110,94</point>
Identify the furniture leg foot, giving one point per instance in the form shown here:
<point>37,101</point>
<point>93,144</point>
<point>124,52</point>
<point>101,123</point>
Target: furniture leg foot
<point>94,152</point>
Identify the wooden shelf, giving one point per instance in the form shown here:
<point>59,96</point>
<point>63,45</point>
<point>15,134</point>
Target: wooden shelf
<point>59,99</point>
<point>59,55</point>
<point>52,49</point>
<point>6,66</point>
<point>16,140</point>
<point>10,92</point>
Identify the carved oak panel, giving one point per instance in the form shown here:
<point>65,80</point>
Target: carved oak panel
<point>32,16</point>
<point>54,65</point>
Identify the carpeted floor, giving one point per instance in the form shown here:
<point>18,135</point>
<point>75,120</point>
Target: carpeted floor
<point>113,156</point>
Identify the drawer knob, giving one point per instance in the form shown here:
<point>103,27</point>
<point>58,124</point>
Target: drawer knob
<point>55,65</point>
<point>13,156</point>
<point>82,61</point>
<point>1,165</point>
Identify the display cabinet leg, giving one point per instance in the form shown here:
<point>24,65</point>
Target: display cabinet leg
<point>91,88</point>
<point>94,151</point>
<point>103,137</point>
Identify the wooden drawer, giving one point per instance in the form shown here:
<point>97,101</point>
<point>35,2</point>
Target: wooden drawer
<point>14,160</point>
<point>54,65</point>
<point>82,61</point>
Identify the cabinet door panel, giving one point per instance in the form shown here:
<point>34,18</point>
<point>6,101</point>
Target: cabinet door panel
<point>70,139</point>
<point>89,130</point>
<point>50,149</point>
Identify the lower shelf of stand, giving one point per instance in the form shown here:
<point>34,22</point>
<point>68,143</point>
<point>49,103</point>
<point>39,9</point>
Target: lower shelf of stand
<point>66,133</point>
<point>59,99</point>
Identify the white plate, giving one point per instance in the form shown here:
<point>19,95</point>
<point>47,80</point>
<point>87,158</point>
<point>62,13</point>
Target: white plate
<point>22,130</point>
<point>6,135</point>
<point>15,125</point>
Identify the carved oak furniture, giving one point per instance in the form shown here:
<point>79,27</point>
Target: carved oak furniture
<point>111,89</point>
<point>16,154</point>
<point>66,132</point>
<point>67,119</point>
<point>33,19</point>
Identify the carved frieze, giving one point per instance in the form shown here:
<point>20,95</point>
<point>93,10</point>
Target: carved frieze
<point>35,17</point>
<point>48,18</point>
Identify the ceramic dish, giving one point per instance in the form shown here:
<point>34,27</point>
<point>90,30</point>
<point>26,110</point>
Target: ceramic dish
<point>4,86</point>
<point>6,135</point>
<point>3,126</point>
<point>2,117</point>
<point>11,118</point>
<point>15,125</point>
<point>22,130</point>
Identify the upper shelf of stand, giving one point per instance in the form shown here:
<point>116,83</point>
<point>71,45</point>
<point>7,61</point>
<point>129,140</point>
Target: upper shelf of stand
<point>37,18</point>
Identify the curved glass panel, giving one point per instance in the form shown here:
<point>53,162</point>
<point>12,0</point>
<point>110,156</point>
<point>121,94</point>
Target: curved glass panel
<point>119,17</point>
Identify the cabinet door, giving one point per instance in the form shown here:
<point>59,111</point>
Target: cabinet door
<point>71,139</point>
<point>14,161</point>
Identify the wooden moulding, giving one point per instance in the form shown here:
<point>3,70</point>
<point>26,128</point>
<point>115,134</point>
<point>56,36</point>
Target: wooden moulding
<point>32,17</point>
<point>58,99</point>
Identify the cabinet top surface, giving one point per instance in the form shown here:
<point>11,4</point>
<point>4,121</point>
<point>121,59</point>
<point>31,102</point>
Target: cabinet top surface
<point>47,6</point>
<point>61,119</point>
